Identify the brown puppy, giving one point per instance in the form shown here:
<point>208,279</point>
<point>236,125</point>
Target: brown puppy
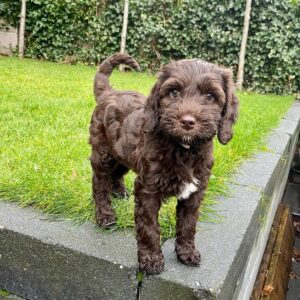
<point>166,139</point>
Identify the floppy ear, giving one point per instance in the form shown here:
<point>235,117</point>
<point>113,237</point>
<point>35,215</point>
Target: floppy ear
<point>230,111</point>
<point>151,109</point>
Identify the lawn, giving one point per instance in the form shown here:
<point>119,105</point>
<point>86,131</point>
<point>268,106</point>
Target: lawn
<point>45,111</point>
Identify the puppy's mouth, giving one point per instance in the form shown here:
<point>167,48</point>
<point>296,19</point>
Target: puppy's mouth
<point>186,146</point>
<point>193,139</point>
<point>187,130</point>
<point>188,141</point>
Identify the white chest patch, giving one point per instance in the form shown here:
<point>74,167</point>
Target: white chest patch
<point>188,189</point>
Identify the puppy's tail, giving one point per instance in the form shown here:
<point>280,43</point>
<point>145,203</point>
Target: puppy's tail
<point>101,82</point>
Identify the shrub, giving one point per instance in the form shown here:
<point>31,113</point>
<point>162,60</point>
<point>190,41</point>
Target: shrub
<point>78,31</point>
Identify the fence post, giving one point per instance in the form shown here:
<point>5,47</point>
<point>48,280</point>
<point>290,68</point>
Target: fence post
<point>124,30</point>
<point>240,75</point>
<point>22,29</point>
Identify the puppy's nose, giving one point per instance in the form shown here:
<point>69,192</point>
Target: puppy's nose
<point>187,122</point>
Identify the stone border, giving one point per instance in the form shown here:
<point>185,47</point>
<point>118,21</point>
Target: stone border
<point>44,259</point>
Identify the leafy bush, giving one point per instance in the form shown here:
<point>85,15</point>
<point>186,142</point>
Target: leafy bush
<point>74,31</point>
<point>274,57</point>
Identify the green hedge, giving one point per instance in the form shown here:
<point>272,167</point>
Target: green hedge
<point>71,31</point>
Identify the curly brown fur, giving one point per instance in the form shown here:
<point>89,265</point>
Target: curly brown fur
<point>166,139</point>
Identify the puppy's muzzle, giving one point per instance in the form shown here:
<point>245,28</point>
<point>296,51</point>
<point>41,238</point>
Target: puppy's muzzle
<point>187,122</point>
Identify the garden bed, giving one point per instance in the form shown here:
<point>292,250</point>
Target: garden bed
<point>43,258</point>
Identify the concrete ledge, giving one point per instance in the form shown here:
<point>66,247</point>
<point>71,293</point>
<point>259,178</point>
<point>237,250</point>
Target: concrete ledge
<point>40,259</point>
<point>44,259</point>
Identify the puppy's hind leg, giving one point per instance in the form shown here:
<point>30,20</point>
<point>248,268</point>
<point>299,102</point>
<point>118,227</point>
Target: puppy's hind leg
<point>119,189</point>
<point>102,188</point>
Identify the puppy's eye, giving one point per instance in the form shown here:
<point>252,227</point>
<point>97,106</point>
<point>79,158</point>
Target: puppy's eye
<point>174,93</point>
<point>210,97</point>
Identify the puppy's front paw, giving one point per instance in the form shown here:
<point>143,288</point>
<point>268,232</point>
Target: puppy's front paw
<point>106,221</point>
<point>188,256</point>
<point>151,263</point>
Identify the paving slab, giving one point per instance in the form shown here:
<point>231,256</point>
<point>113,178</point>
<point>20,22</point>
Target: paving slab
<point>278,143</point>
<point>255,174</point>
<point>294,112</point>
<point>289,127</point>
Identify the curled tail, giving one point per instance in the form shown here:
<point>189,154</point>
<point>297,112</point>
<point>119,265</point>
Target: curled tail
<point>101,82</point>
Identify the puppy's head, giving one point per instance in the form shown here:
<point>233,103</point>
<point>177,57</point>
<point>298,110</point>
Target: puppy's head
<point>192,101</point>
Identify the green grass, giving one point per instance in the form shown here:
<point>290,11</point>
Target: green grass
<point>45,111</point>
<point>4,293</point>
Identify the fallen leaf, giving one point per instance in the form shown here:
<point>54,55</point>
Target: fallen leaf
<point>296,254</point>
<point>268,290</point>
<point>293,275</point>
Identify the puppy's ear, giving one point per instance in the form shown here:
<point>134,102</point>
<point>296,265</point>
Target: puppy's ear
<point>230,111</point>
<point>151,109</point>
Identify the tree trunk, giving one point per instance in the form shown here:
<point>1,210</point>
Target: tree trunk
<point>22,29</point>
<point>124,30</point>
<point>240,75</point>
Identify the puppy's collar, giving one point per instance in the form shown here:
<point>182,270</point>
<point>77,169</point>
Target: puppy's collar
<point>186,146</point>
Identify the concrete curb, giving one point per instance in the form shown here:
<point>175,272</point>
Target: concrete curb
<point>40,259</point>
